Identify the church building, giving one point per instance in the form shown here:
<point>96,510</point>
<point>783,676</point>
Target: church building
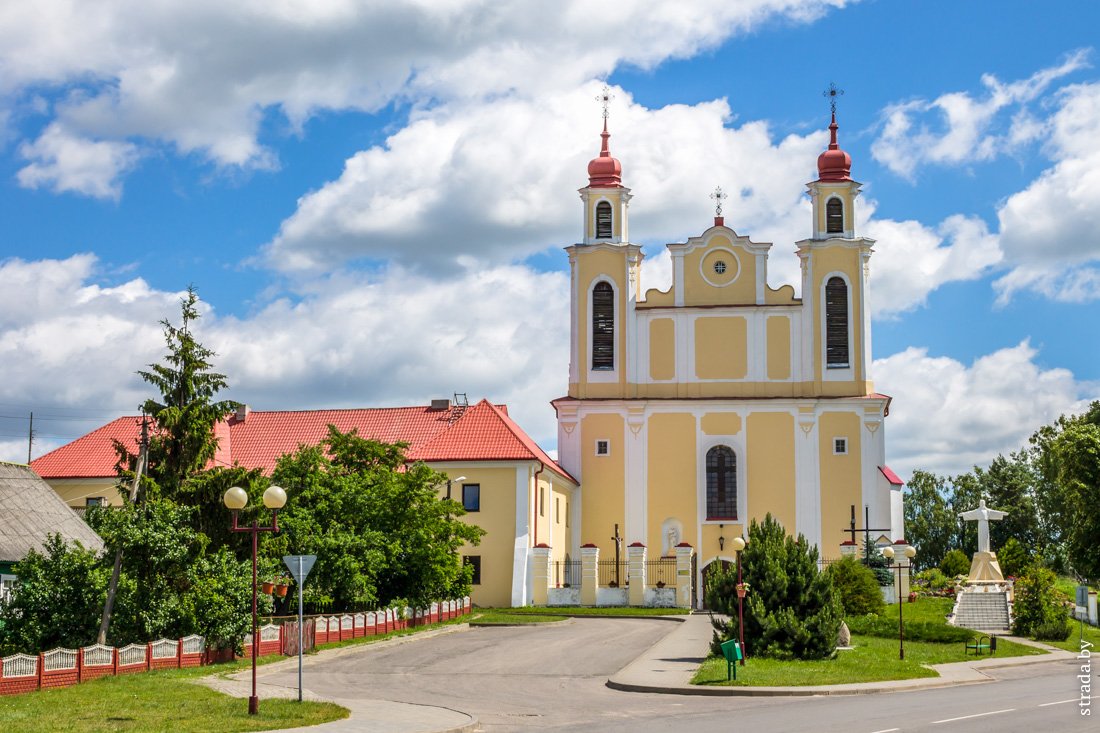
<point>695,409</point>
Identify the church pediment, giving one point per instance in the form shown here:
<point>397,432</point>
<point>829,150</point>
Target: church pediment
<point>720,267</point>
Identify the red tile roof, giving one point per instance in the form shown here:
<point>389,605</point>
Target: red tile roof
<point>482,432</point>
<point>892,477</point>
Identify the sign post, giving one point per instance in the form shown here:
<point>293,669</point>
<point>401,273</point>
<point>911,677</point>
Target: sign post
<point>299,566</point>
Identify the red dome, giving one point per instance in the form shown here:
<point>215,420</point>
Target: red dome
<point>834,164</point>
<point>605,171</point>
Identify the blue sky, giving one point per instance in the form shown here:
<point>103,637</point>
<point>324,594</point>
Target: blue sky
<point>372,197</point>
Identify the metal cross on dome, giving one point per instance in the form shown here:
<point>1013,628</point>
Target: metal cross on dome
<point>604,97</point>
<point>718,195</point>
<point>832,93</point>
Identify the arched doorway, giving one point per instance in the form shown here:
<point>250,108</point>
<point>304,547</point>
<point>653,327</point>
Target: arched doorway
<point>710,567</point>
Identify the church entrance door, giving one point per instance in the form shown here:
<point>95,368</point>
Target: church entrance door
<point>710,567</point>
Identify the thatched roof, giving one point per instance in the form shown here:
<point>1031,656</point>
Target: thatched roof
<point>30,511</point>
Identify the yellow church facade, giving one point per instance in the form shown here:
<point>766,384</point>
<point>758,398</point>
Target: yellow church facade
<point>693,410</point>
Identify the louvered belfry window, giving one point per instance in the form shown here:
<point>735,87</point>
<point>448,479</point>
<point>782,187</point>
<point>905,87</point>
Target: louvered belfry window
<point>603,327</point>
<point>721,483</point>
<point>603,220</point>
<point>836,323</point>
<point>834,216</point>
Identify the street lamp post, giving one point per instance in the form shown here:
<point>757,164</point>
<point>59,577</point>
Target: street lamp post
<point>910,552</point>
<point>739,545</point>
<point>236,499</point>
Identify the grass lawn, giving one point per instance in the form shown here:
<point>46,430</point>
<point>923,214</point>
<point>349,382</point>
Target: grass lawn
<point>872,660</point>
<point>155,701</point>
<point>934,610</point>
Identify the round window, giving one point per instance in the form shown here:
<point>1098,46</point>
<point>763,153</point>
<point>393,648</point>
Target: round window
<point>720,267</point>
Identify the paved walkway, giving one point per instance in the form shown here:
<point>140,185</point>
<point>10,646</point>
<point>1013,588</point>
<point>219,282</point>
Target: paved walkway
<point>669,665</point>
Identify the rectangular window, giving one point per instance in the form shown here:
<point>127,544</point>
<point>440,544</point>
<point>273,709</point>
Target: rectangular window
<point>566,512</point>
<point>542,501</point>
<point>557,510</point>
<point>7,586</point>
<point>475,561</point>
<point>603,447</point>
<point>95,501</point>
<point>840,446</point>
<point>471,497</point>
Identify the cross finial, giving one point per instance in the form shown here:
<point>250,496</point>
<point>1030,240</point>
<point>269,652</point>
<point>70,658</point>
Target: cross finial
<point>718,195</point>
<point>832,93</point>
<point>604,97</point>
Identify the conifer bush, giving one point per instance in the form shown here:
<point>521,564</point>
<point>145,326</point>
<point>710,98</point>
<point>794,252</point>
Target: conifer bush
<point>955,563</point>
<point>792,610</point>
<point>857,587</point>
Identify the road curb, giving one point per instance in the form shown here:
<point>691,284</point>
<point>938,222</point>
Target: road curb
<point>823,691</point>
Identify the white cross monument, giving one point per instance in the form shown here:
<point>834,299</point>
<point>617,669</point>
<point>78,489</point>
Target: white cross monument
<point>984,567</point>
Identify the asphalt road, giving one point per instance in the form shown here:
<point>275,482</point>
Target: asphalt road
<point>551,678</point>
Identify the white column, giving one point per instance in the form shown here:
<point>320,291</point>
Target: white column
<point>590,574</point>
<point>807,499</point>
<point>635,554</point>
<point>522,539</point>
<point>540,573</point>
<point>635,492</point>
<point>684,552</point>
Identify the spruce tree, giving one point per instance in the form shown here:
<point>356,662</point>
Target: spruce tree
<point>791,611</point>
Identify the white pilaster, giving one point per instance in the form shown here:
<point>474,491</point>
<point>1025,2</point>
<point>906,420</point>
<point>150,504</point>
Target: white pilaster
<point>520,566</point>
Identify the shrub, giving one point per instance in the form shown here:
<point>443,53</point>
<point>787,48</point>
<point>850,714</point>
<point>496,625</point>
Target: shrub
<point>856,586</point>
<point>1040,605</point>
<point>720,593</point>
<point>1013,558</point>
<point>955,563</point>
<point>879,565</point>
<point>933,582</point>
<point>792,611</point>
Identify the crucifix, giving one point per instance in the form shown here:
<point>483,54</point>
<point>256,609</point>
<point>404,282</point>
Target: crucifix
<point>983,515</point>
<point>718,195</point>
<point>866,530</point>
<point>604,97</point>
<point>832,93</point>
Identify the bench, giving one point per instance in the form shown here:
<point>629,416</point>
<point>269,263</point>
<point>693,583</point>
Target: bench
<point>731,650</point>
<point>979,647</point>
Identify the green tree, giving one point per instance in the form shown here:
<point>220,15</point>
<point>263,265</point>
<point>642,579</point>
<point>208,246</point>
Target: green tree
<point>873,559</point>
<point>857,587</point>
<point>955,563</point>
<point>791,611</point>
<point>1009,486</point>
<point>376,524</point>
<point>1013,558</point>
<point>184,415</point>
<point>929,524</point>
<point>1040,608</point>
<point>966,492</point>
<point>218,604</point>
<point>56,601</point>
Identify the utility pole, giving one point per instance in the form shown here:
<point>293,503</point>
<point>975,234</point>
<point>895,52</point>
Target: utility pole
<point>108,606</point>
<point>30,439</point>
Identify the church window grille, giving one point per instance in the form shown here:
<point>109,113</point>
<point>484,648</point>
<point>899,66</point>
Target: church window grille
<point>836,323</point>
<point>720,267</point>
<point>834,216</point>
<point>603,327</point>
<point>603,447</point>
<point>603,220</point>
<point>721,483</point>
<point>840,446</point>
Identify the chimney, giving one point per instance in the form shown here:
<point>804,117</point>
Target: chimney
<point>441,404</point>
<point>242,413</point>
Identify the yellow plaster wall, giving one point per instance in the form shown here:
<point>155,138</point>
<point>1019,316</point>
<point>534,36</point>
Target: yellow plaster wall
<point>770,465</point>
<point>592,265</point>
<point>832,259</point>
<point>709,549</point>
<point>721,347</point>
<point>783,295</point>
<point>498,518</point>
<point>779,347</point>
<point>561,532</point>
<point>662,348</point>
<point>721,423</point>
<point>737,286</point>
<point>671,483</point>
<point>75,492</point>
<point>603,497</point>
<point>841,477</point>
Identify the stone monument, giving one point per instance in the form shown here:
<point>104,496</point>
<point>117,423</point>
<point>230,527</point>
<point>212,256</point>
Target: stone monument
<point>984,567</point>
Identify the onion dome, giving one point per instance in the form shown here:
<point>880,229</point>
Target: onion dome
<point>605,171</point>
<point>834,164</point>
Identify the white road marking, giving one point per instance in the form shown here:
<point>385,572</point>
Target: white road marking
<point>887,730</point>
<point>976,715</point>
<point>1060,702</point>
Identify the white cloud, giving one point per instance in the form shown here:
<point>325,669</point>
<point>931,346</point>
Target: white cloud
<point>63,161</point>
<point>202,75</point>
<point>948,416</point>
<point>958,128</point>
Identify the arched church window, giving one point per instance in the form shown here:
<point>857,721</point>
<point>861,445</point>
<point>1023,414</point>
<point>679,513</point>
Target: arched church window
<point>603,220</point>
<point>603,327</point>
<point>834,216</point>
<point>836,323</point>
<point>721,483</point>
